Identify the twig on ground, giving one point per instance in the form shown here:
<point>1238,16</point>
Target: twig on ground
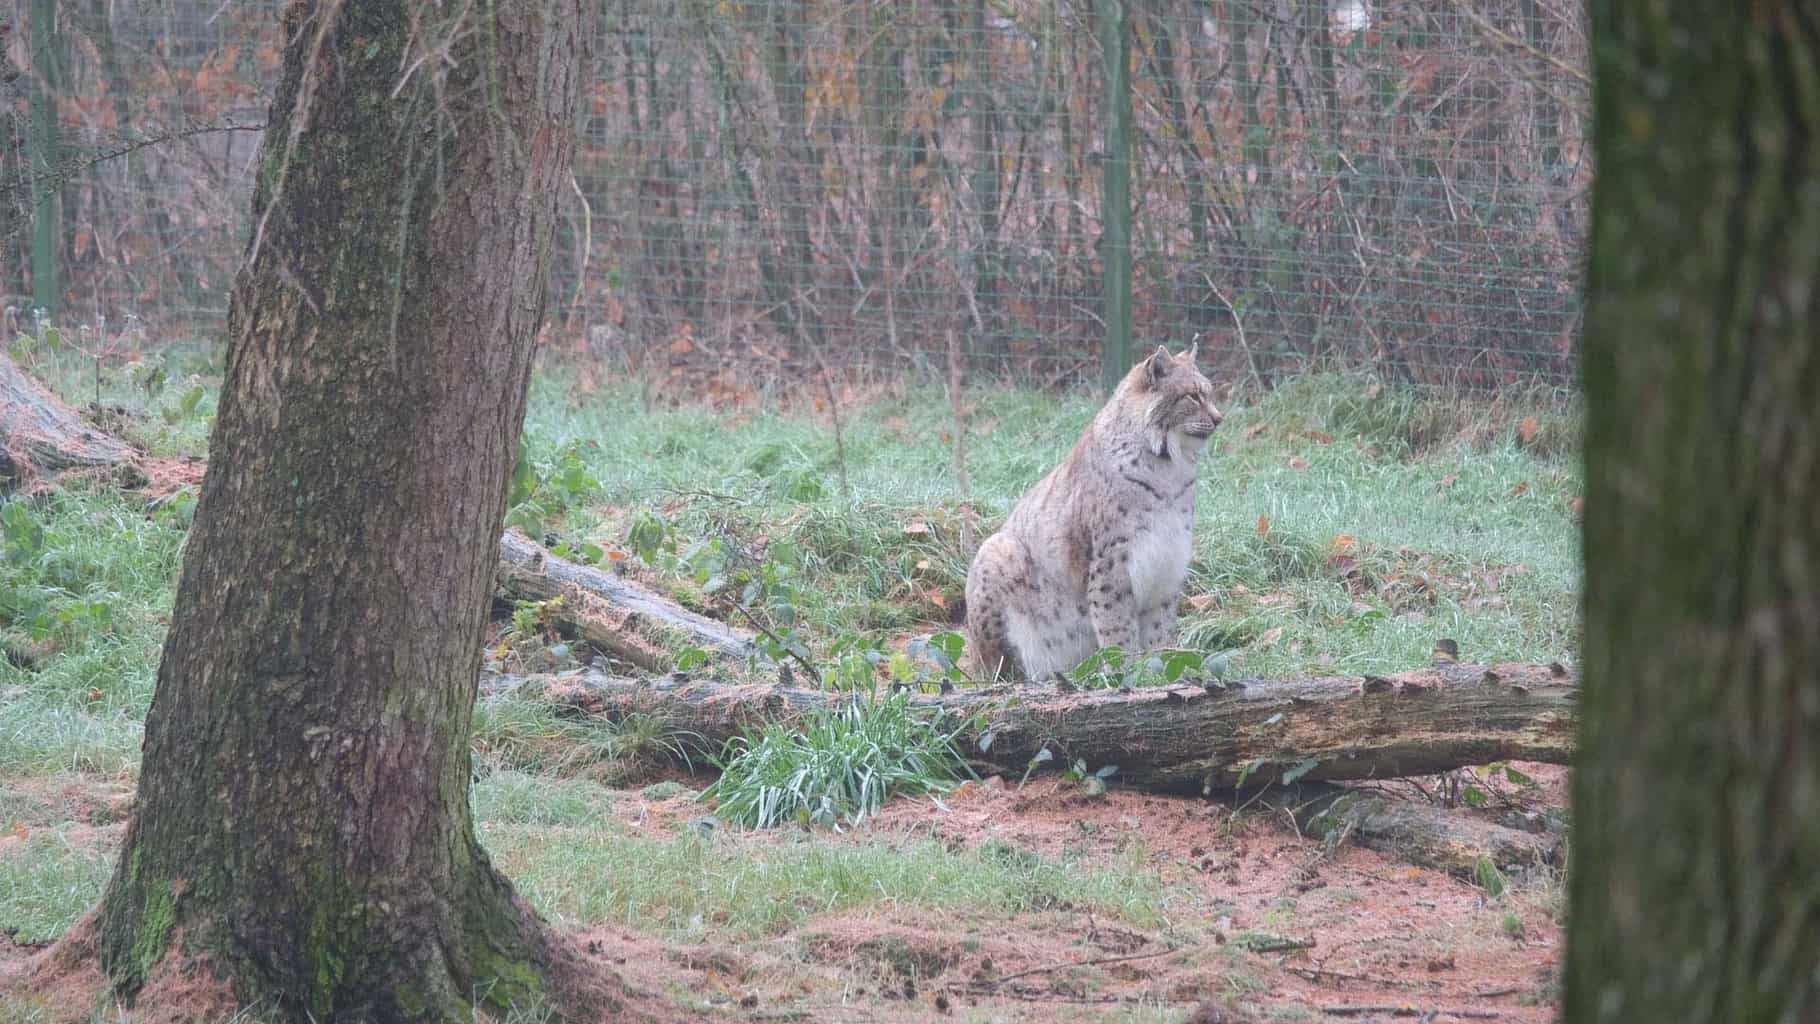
<point>996,982</point>
<point>1257,943</point>
<point>1317,973</point>
<point>1407,1011</point>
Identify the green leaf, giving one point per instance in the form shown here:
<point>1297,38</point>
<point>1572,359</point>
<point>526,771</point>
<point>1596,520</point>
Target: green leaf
<point>1178,663</point>
<point>1518,777</point>
<point>690,658</point>
<point>1473,796</point>
<point>950,644</point>
<point>1245,773</point>
<point>1300,769</point>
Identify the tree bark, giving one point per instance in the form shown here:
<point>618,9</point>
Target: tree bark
<point>1697,797</point>
<point>302,816</point>
<point>1178,739</point>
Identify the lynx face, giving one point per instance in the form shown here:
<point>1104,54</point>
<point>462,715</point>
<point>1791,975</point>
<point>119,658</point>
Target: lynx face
<point>1180,414</point>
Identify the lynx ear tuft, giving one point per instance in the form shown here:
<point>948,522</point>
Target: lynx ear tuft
<point>1158,364</point>
<point>1193,350</point>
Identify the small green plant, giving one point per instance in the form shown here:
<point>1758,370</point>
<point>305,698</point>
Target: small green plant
<point>36,596</point>
<point>1489,878</point>
<point>185,406</point>
<point>20,532</point>
<point>837,764</point>
<point>534,618</point>
<point>1112,667</point>
<point>1093,783</point>
<point>760,586</point>
<point>544,488</point>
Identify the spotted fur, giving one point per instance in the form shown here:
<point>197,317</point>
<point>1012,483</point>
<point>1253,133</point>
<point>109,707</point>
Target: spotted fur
<point>1094,555</point>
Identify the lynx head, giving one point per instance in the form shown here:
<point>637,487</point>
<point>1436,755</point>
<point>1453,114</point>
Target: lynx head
<point>1175,400</point>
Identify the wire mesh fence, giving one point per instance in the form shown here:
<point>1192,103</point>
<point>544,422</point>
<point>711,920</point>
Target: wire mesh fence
<point>1030,186</point>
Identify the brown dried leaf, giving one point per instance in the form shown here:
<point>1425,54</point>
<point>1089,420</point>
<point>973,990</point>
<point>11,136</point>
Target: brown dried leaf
<point>1526,430</point>
<point>1203,602</point>
<point>1263,527</point>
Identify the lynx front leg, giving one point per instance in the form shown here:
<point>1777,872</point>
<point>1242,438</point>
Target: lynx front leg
<point>1111,605</point>
<point>1157,627</point>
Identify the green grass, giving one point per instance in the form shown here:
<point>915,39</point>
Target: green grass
<point>1457,528</point>
<point>575,866</point>
<point>85,591</point>
<point>688,886</point>
<point>49,881</point>
<point>838,764</point>
<point>519,798</point>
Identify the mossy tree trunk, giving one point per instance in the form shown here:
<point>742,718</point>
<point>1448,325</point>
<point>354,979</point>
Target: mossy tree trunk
<point>302,818</point>
<point>1695,889</point>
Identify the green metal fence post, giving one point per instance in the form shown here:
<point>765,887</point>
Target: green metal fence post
<point>47,190</point>
<point>1115,213</point>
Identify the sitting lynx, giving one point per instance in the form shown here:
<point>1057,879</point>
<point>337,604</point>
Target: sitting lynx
<point>1095,554</point>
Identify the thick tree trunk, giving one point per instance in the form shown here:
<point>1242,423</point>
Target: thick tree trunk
<point>302,818</point>
<point>1697,799</point>
<point>1179,739</point>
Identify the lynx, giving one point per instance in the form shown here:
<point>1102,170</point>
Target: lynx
<point>1094,555</point>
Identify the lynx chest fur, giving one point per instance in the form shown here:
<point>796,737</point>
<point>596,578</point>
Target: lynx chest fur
<point>1095,554</point>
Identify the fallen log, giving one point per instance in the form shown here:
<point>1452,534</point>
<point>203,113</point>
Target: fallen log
<point>1181,739</point>
<point>1416,833</point>
<point>615,615</point>
<point>41,436</point>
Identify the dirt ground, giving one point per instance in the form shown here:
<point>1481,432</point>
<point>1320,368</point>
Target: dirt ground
<point>1372,938</point>
<point>1267,926</point>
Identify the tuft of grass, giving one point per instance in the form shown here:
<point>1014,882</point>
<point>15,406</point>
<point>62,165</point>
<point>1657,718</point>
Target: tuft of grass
<point>48,882</point>
<point>839,763</point>
<point>689,886</point>
<point>517,798</point>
